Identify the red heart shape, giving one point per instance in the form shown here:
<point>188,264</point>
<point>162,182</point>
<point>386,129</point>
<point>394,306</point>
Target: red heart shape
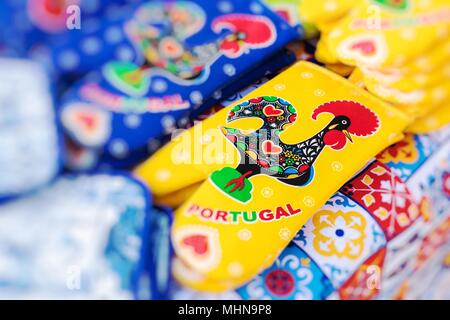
<point>256,100</point>
<point>367,47</point>
<point>199,243</point>
<point>87,120</point>
<point>303,168</point>
<point>231,138</point>
<point>271,111</point>
<point>270,148</point>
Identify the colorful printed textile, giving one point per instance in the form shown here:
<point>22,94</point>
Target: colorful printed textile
<point>263,166</point>
<point>175,48</point>
<point>372,35</point>
<point>286,149</point>
<point>384,235</point>
<point>83,158</point>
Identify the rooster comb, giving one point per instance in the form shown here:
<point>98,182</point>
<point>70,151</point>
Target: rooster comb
<point>364,122</point>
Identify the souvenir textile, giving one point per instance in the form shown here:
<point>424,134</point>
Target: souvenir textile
<point>304,138</point>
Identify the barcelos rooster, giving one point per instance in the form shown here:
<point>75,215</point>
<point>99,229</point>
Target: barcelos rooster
<point>262,151</point>
<point>160,32</point>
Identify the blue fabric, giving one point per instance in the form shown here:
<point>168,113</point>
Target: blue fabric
<point>27,24</point>
<point>107,159</point>
<point>159,253</point>
<point>122,116</point>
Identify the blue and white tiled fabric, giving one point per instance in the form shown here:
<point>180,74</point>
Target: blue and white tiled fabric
<point>30,153</point>
<point>160,252</point>
<point>82,237</point>
<point>175,48</point>
<point>384,235</point>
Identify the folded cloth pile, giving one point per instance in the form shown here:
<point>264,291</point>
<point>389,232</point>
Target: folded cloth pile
<point>181,57</point>
<point>399,48</point>
<point>293,172</point>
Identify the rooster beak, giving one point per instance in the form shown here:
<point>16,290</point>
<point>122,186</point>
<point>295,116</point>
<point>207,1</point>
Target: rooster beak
<point>347,134</point>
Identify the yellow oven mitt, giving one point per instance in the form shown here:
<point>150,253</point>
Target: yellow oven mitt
<point>409,82</point>
<point>340,69</point>
<point>428,107</point>
<point>374,34</point>
<point>417,103</point>
<point>324,13</point>
<point>429,116</point>
<point>176,198</point>
<point>428,70</point>
<point>267,164</point>
<point>357,78</point>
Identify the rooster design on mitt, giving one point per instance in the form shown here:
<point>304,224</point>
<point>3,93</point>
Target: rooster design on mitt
<point>262,152</point>
<point>160,30</point>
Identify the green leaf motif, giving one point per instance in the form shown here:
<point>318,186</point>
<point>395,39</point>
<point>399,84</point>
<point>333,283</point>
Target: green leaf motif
<point>222,177</point>
<point>400,5</point>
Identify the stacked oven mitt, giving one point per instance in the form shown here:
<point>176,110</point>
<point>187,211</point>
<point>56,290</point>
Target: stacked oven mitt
<point>158,65</point>
<point>255,172</point>
<point>399,51</point>
<point>88,237</point>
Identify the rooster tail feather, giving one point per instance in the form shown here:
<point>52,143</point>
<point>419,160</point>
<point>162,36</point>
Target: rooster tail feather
<point>364,122</point>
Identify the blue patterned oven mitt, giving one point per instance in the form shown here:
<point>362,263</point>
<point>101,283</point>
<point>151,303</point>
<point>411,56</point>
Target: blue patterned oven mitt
<point>172,59</point>
<point>83,158</point>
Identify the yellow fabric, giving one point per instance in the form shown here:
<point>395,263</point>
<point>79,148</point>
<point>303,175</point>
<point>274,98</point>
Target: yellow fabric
<point>357,78</point>
<point>401,49</point>
<point>340,69</point>
<point>374,35</point>
<point>176,198</point>
<point>216,245</point>
<point>323,13</point>
<point>416,103</point>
